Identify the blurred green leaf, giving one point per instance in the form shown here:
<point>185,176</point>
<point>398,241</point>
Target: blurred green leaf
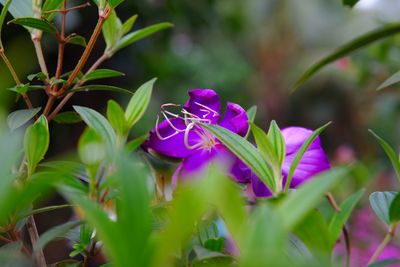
<point>56,232</point>
<point>95,87</point>
<point>339,218</point>
<point>36,143</point>
<point>20,8</point>
<point>394,209</point>
<point>207,254</point>
<point>278,143</point>
<point>35,23</point>
<point>67,117</point>
<point>50,5</point>
<point>116,117</point>
<point>350,3</point>
<point>138,35</point>
<point>3,14</point>
<point>246,152</point>
<point>301,152</point>
<point>384,263</point>
<point>128,24</point>
<point>265,241</point>
<point>98,123</point>
<point>380,203</point>
<point>19,117</point>
<point>135,143</point>
<point>299,203</point>
<point>251,114</point>
<point>389,152</point>
<point>395,78</point>
<point>101,74</point>
<point>138,103</point>
<point>361,41</point>
<point>40,76</point>
<point>76,40</point>
<point>313,232</point>
<point>20,88</point>
<point>91,149</point>
<point>45,209</point>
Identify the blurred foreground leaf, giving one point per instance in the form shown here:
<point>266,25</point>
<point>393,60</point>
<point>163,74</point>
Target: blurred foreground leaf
<point>380,203</point>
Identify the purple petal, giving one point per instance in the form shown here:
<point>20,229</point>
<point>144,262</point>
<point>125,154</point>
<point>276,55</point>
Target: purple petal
<point>313,161</point>
<point>172,143</point>
<point>235,119</point>
<point>259,188</point>
<point>204,103</point>
<point>240,172</point>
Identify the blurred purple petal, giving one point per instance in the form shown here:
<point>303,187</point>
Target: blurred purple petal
<point>313,161</point>
<point>235,119</point>
<point>172,143</point>
<point>259,188</point>
<point>204,103</point>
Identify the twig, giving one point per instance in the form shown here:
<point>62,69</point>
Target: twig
<point>36,39</point>
<point>88,49</point>
<point>391,233</point>
<point>61,44</point>
<point>34,236</point>
<point>68,9</point>
<point>98,62</point>
<point>15,77</point>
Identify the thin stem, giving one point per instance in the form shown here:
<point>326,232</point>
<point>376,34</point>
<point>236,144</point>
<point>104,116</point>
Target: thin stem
<point>332,201</point>
<point>348,247</point>
<point>61,44</point>
<point>34,235</point>
<point>88,50</point>
<point>49,105</point>
<point>98,62</point>
<point>15,77</point>
<point>39,53</point>
<point>68,9</point>
<point>391,233</point>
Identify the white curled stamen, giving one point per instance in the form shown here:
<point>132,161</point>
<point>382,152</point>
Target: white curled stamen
<point>206,109</point>
<point>165,137</point>
<point>186,137</point>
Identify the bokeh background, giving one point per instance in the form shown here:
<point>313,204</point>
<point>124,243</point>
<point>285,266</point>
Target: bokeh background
<point>251,52</point>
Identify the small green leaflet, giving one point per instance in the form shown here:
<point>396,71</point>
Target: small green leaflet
<point>380,203</point>
<point>35,23</point>
<point>101,74</point>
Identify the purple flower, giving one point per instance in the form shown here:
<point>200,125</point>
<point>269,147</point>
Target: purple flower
<point>181,137</point>
<point>313,161</point>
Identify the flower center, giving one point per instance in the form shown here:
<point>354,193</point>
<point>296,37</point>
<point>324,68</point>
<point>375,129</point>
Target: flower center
<point>207,141</point>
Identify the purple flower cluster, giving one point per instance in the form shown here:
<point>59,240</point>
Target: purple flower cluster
<point>182,137</point>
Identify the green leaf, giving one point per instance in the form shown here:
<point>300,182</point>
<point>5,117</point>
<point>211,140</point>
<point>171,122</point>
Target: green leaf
<point>116,116</point>
<point>384,263</point>
<point>278,143</point>
<point>101,74</point>
<point>18,118</point>
<point>394,209</point>
<point>2,17</point>
<point>139,34</point>
<point>20,88</point>
<point>265,243</point>
<point>112,30</point>
<point>98,123</point>
<point>380,203</point>
<point>20,8</point>
<point>51,5</point>
<point>264,146</point>
<point>67,117</point>
<point>91,149</point>
<point>40,76</point>
<point>135,143</point>
<point>395,78</point>
<point>389,152</point>
<point>251,114</point>
<point>56,232</point>
<point>46,209</point>
<point>128,24</point>
<point>299,203</point>
<point>350,3</point>
<point>203,253</point>
<point>138,103</point>
<point>36,143</point>
<point>114,3</point>
<point>313,231</point>
<point>35,23</point>
<point>76,40</point>
<point>95,87</point>
<point>246,152</point>
<point>339,219</point>
<point>359,42</point>
<point>301,152</point>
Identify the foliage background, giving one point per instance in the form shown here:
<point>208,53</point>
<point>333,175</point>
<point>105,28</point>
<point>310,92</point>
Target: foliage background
<point>251,52</point>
